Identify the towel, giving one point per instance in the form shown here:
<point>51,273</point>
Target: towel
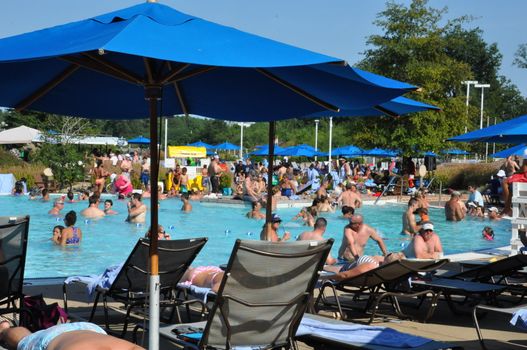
<point>354,333</point>
<point>200,293</point>
<point>519,319</point>
<point>93,281</point>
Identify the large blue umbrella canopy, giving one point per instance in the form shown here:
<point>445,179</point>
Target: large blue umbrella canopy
<point>201,144</point>
<point>303,145</point>
<point>346,151</point>
<point>227,146</point>
<point>141,140</point>
<point>518,150</point>
<point>510,131</point>
<point>298,151</point>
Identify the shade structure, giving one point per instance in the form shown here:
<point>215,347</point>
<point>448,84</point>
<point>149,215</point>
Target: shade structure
<point>347,151</point>
<point>511,131</point>
<point>139,140</point>
<point>201,144</point>
<point>455,152</point>
<point>227,146</point>
<point>265,151</point>
<point>309,147</point>
<point>19,135</point>
<point>379,152</point>
<point>518,150</point>
<point>107,66</point>
<point>430,154</point>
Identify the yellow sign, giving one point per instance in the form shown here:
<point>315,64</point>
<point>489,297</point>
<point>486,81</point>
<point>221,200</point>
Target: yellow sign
<point>186,152</point>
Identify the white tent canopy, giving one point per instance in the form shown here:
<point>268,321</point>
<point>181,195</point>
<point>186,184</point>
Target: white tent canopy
<point>21,134</point>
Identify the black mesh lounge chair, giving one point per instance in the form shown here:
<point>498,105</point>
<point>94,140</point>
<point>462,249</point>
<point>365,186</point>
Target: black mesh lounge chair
<point>486,308</point>
<point>495,272</point>
<point>13,247</point>
<point>130,287</point>
<point>265,290</point>
<point>387,281</point>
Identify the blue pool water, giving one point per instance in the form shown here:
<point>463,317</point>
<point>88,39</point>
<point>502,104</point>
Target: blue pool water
<point>109,240</point>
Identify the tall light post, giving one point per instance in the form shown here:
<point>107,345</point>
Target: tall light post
<point>330,142</point>
<point>483,87</point>
<point>316,137</point>
<point>468,83</point>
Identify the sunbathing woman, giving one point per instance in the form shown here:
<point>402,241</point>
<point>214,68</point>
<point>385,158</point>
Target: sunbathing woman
<point>204,276</point>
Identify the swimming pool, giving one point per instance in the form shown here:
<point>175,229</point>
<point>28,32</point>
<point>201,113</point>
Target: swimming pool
<point>109,240</point>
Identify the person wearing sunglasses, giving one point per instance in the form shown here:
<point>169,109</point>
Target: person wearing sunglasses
<point>425,245</point>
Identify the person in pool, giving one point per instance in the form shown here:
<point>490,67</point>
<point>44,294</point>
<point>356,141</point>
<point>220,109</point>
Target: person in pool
<point>58,205</point>
<point>255,212</point>
<point>57,234</point>
<point>356,236</point>
<point>71,235</point>
<point>93,210</point>
<point>425,245</point>
<point>316,235</point>
<point>187,207</point>
<point>108,207</point>
<point>136,209</point>
<point>271,234</point>
<point>488,233</point>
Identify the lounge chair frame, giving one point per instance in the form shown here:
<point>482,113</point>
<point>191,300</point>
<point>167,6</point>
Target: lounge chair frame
<point>131,284</point>
<point>296,306</point>
<point>12,284</point>
<point>377,286</point>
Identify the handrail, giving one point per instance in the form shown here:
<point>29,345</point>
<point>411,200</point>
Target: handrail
<point>394,177</point>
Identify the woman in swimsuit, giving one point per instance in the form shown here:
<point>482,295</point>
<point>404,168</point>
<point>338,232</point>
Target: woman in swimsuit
<point>71,235</point>
<point>204,276</point>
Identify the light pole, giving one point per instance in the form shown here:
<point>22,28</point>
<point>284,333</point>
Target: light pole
<point>241,140</point>
<point>316,137</point>
<point>330,142</point>
<point>468,83</point>
<point>483,87</point>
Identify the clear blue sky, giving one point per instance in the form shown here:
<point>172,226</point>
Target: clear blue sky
<point>334,27</point>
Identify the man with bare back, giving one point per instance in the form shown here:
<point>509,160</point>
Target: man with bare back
<point>356,236</point>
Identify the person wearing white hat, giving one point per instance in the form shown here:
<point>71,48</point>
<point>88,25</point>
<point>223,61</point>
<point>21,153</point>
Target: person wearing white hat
<point>494,214</point>
<point>425,245</point>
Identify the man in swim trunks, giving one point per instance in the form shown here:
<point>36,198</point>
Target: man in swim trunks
<point>66,336</point>
<point>136,209</point>
<point>453,209</point>
<point>93,210</point>
<point>355,238</point>
<point>350,197</point>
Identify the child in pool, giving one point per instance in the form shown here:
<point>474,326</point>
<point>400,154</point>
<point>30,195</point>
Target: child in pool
<point>57,234</point>
<point>488,233</point>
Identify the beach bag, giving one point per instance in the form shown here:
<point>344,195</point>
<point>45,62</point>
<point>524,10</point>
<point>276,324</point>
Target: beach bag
<point>35,314</point>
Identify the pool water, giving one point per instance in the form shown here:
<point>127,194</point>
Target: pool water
<point>109,240</point>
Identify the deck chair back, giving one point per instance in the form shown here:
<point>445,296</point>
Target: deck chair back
<point>175,256</point>
<point>13,247</point>
<point>504,267</point>
<point>264,293</point>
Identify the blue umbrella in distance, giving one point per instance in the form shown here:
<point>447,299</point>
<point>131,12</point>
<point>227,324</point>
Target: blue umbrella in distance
<point>455,152</point>
<point>201,144</point>
<point>510,131</point>
<point>227,146</point>
<point>139,140</point>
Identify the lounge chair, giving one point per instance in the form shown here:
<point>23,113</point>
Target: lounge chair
<point>495,272</point>
<point>383,282</point>
<point>265,290</point>
<point>13,248</point>
<point>486,308</point>
<point>326,333</point>
<point>130,286</point>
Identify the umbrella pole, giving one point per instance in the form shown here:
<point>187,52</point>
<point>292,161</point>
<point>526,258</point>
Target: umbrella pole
<point>153,95</point>
<point>269,204</point>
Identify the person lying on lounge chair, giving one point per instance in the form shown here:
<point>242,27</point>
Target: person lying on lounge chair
<point>203,276</point>
<point>66,336</point>
<point>363,264</point>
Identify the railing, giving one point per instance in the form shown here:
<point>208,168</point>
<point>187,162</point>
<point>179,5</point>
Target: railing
<point>390,183</point>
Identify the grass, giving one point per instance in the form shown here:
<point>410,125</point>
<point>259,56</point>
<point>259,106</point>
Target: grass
<point>460,176</point>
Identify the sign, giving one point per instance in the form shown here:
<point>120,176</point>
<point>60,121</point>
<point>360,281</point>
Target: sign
<point>186,152</point>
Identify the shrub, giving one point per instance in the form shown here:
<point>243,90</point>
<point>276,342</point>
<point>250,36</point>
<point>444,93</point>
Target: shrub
<point>226,180</point>
<point>460,176</point>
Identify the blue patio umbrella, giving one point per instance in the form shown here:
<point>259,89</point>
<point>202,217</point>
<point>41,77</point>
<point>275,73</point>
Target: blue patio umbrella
<point>227,146</point>
<point>430,154</point>
<point>201,144</point>
<point>140,140</point>
<point>303,145</point>
<point>106,66</point>
<point>510,131</point>
<point>379,152</point>
<point>455,152</point>
<point>518,150</point>
<point>347,151</point>
<point>265,151</point>
<point>298,151</point>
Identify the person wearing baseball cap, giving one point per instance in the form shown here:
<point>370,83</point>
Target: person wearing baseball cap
<point>270,232</point>
<point>425,245</point>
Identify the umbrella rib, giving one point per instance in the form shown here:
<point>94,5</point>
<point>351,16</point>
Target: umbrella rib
<point>191,74</point>
<point>299,91</point>
<point>179,93</point>
<point>386,111</point>
<point>86,63</point>
<point>173,72</point>
<point>44,89</point>
<point>115,67</point>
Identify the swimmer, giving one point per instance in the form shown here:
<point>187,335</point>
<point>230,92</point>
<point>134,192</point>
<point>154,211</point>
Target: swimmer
<point>58,205</point>
<point>255,212</point>
<point>316,235</point>
<point>93,210</point>
<point>57,234</point>
<point>347,212</point>
<point>187,207</point>
<point>108,207</point>
<point>45,195</point>
<point>71,235</point>
<point>71,197</point>
<point>488,233</point>
<point>271,234</point>
<point>161,233</point>
<point>493,214</point>
<point>136,209</point>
